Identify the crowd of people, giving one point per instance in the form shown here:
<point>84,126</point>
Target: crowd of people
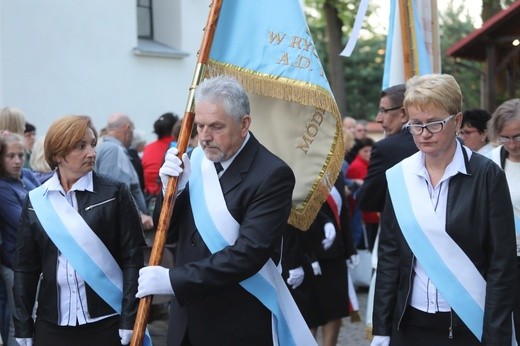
<point>437,199</point>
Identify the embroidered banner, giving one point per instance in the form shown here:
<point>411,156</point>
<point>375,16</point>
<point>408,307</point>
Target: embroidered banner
<point>267,46</point>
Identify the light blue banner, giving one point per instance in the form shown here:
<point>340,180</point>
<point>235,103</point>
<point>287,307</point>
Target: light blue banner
<point>269,37</point>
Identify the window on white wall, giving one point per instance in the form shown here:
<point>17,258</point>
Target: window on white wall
<point>159,29</point>
<point>144,19</point>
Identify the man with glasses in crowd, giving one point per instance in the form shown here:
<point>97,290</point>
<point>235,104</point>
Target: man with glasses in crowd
<point>397,145</point>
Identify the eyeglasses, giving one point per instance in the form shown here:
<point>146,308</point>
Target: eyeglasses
<point>433,127</point>
<point>505,139</point>
<point>386,110</point>
<point>466,133</point>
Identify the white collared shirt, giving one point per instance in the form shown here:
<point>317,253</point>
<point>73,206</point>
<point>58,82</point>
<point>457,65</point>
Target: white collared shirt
<point>425,296</point>
<point>73,308</point>
<point>227,163</point>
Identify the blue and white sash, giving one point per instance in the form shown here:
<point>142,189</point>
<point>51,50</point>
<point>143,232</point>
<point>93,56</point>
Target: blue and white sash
<point>81,246</point>
<point>450,269</point>
<point>219,229</point>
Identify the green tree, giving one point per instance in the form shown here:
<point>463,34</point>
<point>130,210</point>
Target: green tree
<point>363,70</point>
<point>330,23</point>
<point>491,7</point>
<point>454,25</point>
<point>364,75</point>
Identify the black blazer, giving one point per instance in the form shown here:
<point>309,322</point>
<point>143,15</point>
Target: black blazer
<point>210,306</point>
<point>111,213</point>
<point>385,154</point>
<point>343,245</point>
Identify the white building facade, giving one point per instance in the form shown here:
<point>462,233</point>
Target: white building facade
<point>60,57</point>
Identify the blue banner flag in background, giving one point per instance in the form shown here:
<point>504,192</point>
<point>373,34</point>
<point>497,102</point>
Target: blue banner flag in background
<point>417,47</point>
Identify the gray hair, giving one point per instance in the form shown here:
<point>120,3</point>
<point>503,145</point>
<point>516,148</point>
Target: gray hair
<point>395,93</point>
<point>227,91</point>
<point>505,113</point>
<point>138,138</point>
<point>118,120</point>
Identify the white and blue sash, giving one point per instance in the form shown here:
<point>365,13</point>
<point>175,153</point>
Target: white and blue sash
<point>219,229</point>
<point>81,246</point>
<point>450,269</point>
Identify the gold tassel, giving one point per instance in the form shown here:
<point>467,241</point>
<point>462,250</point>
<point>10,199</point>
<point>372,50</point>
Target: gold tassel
<point>368,332</point>
<point>354,317</point>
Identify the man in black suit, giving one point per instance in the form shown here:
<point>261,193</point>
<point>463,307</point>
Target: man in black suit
<point>227,222</point>
<point>396,146</point>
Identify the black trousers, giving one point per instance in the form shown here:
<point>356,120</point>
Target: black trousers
<point>516,307</point>
<point>424,329</point>
<point>104,332</point>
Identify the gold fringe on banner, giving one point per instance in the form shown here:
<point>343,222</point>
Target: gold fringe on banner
<point>276,87</point>
<point>303,214</point>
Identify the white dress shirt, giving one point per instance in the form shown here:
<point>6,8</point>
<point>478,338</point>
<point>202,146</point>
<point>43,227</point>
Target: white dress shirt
<point>73,308</point>
<point>425,296</point>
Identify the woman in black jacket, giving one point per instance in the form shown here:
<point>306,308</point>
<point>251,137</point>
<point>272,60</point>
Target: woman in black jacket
<point>81,237</point>
<point>447,258</point>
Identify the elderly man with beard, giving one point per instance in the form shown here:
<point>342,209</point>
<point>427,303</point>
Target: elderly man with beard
<point>227,222</point>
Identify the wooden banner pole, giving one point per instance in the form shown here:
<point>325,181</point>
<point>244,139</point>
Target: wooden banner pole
<point>171,191</point>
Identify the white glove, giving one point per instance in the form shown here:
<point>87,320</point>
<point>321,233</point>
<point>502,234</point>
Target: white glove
<point>330,235</point>
<point>172,168</point>
<point>379,340</point>
<point>154,280</point>
<point>24,341</point>
<point>353,261</point>
<point>295,278</point>
<point>125,335</point>
<point>316,268</point>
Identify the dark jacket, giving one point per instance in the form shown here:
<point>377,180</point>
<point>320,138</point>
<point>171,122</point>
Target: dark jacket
<point>503,156</point>
<point>343,245</point>
<point>210,306</point>
<point>479,218</point>
<point>111,213</point>
<point>385,154</point>
<point>13,192</point>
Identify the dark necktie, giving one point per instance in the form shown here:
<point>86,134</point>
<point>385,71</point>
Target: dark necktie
<point>218,167</point>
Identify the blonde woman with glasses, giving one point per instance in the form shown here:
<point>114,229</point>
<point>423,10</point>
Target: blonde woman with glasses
<point>447,264</point>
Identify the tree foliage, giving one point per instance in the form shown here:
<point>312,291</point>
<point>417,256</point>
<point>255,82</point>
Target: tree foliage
<point>456,24</point>
<point>351,83</point>
<point>491,7</point>
<point>363,70</point>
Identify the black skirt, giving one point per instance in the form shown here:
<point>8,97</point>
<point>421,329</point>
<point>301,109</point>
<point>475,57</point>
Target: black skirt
<point>329,293</point>
<point>104,332</point>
